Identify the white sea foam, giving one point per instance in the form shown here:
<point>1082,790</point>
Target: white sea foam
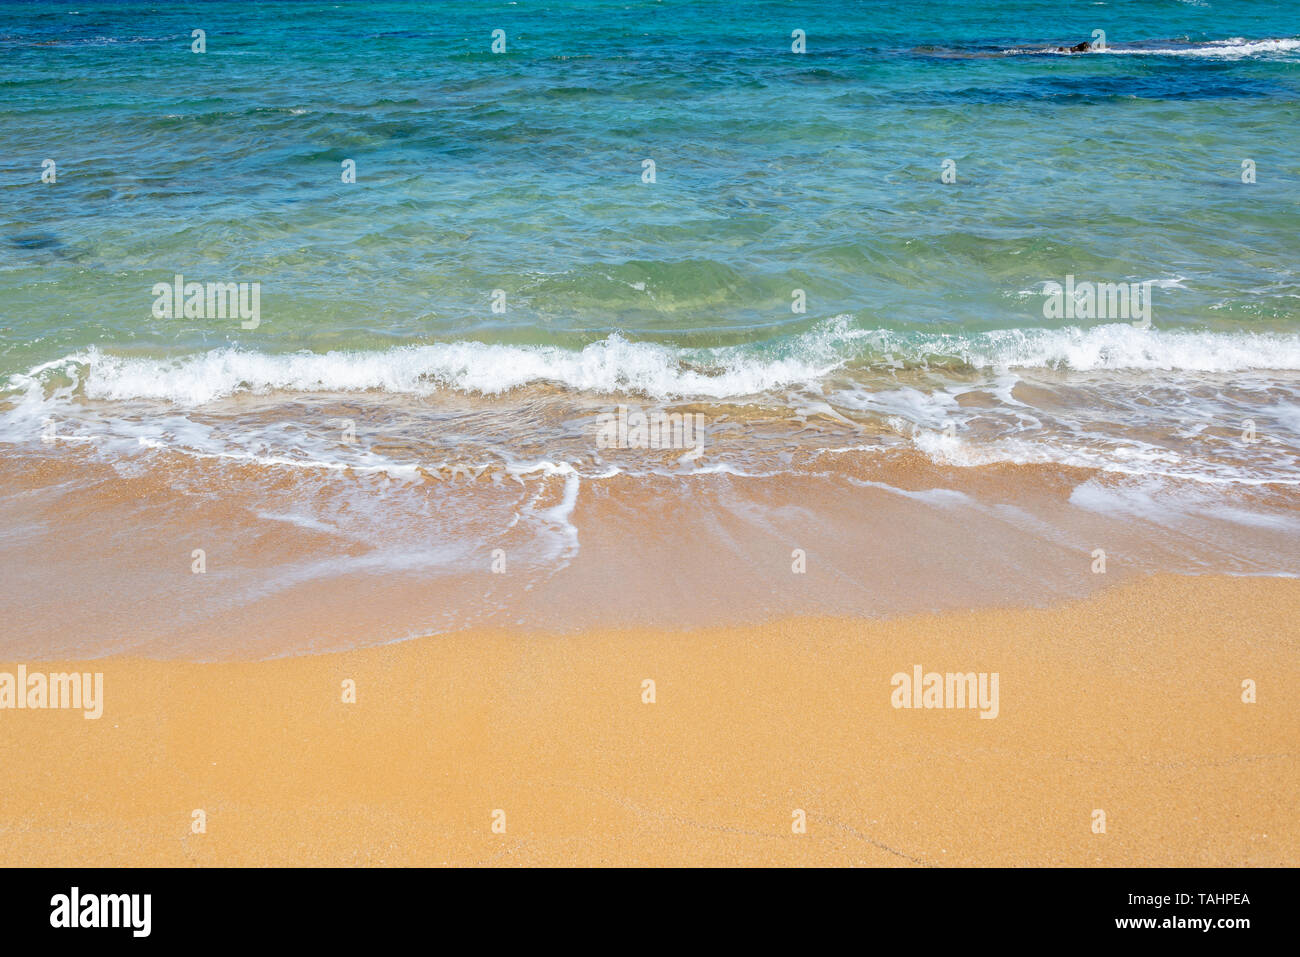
<point>1233,49</point>
<point>615,365</point>
<point>1119,346</point>
<point>608,366</point>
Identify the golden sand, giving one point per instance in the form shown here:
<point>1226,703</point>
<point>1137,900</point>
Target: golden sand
<point>1129,703</point>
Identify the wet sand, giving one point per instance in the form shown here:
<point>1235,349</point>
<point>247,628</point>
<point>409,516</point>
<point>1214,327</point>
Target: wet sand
<point>1127,702</point>
<point>171,557</point>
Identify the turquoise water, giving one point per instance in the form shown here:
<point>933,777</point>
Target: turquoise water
<point>522,171</point>
<point>501,234</point>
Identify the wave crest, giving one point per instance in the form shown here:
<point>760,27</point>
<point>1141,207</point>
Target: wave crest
<point>616,365</point>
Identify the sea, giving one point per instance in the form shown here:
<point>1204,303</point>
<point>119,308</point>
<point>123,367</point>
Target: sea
<point>329,324</point>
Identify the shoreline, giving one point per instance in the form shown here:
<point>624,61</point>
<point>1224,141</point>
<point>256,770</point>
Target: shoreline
<point>1128,701</point>
<point>204,561</point>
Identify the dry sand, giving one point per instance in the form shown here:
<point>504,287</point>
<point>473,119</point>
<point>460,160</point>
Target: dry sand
<point>1129,702</point>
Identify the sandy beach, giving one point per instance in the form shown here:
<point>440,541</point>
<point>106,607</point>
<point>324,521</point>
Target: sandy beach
<point>1128,702</point>
<point>649,435</point>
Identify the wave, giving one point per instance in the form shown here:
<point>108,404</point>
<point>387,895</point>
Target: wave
<point>615,365</point>
<point>1235,48</point>
<point>1142,404</point>
<point>1121,347</point>
<point>608,366</point>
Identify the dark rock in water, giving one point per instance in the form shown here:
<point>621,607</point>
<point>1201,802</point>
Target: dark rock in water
<point>45,247</point>
<point>35,241</point>
<point>1084,47</point>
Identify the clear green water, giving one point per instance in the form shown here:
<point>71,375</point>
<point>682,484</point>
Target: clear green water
<point>518,178</point>
<point>522,171</point>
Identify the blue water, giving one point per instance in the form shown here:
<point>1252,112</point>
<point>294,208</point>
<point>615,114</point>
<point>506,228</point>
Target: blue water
<point>522,171</point>
<point>800,246</point>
